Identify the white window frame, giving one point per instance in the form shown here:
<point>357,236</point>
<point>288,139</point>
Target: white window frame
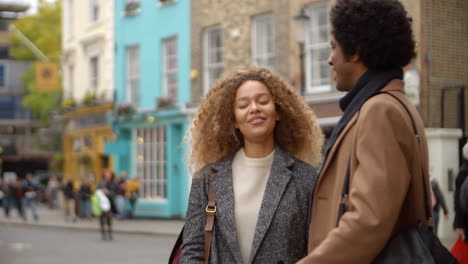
<point>209,69</point>
<point>93,5</point>
<point>94,71</point>
<point>132,87</point>
<point>69,30</point>
<point>264,36</point>
<point>314,83</point>
<point>170,68</point>
<point>151,162</point>
<point>71,81</point>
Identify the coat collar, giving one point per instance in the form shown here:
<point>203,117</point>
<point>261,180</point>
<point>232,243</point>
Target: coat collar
<point>395,85</point>
<point>280,175</point>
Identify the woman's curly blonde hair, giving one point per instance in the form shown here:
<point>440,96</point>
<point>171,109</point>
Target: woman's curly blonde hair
<point>213,135</point>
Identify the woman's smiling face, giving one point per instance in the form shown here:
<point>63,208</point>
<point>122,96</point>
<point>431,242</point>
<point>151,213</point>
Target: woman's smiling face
<point>255,111</point>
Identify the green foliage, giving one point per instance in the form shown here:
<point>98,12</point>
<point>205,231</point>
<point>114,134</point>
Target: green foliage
<point>56,163</point>
<point>89,98</point>
<point>40,103</point>
<point>69,102</point>
<point>44,30</point>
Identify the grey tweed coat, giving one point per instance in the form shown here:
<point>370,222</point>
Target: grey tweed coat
<point>282,224</point>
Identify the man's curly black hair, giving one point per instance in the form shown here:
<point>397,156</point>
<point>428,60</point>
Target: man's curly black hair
<point>378,31</point>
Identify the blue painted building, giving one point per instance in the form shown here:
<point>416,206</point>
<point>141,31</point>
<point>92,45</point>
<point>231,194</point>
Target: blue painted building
<point>152,83</point>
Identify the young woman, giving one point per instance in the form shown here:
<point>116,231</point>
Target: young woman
<point>256,142</point>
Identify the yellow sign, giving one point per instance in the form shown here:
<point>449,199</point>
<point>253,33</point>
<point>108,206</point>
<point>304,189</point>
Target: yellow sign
<point>47,76</point>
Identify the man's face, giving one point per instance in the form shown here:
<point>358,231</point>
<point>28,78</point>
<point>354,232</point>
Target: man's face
<point>343,72</point>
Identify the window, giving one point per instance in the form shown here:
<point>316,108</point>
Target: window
<point>263,41</point>
<point>151,162</point>
<point>4,23</point>
<point>170,68</point>
<point>94,10</point>
<point>213,56</point>
<point>70,88</point>
<point>317,49</point>
<point>4,52</point>
<point>93,74</point>
<point>2,76</point>
<point>133,75</point>
<point>132,7</point>
<point>69,20</point>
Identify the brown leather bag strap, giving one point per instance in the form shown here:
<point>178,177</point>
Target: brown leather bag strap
<point>210,215</point>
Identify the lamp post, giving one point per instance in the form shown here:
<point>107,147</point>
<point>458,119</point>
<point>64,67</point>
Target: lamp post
<point>300,21</point>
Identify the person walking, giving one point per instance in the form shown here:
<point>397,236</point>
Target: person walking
<point>255,142</point>
<point>120,195</point>
<point>8,196</point>
<point>18,191</point>
<point>105,219</point>
<point>30,195</point>
<point>52,190</point>
<point>69,199</point>
<point>438,201</point>
<point>460,223</point>
<point>109,186</point>
<point>375,171</point>
<point>84,194</point>
<point>132,188</point>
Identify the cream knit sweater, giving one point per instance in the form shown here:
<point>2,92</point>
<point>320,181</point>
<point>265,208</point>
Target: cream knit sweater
<point>249,177</point>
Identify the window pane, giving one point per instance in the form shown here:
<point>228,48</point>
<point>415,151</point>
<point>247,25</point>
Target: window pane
<point>317,46</point>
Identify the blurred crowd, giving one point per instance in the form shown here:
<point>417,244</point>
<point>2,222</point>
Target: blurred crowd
<point>23,195</point>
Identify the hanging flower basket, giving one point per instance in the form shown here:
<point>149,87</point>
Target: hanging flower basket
<point>165,102</point>
<point>86,160</point>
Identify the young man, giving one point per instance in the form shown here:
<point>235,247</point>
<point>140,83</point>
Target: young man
<point>388,168</point>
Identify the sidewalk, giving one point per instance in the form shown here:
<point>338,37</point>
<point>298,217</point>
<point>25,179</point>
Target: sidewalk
<point>55,219</point>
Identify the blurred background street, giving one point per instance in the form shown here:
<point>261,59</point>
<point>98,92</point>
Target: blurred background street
<point>28,245</point>
<point>98,94</point>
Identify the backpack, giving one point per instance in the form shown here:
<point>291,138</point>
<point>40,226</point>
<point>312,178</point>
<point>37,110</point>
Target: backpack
<point>464,195</point>
<point>96,205</point>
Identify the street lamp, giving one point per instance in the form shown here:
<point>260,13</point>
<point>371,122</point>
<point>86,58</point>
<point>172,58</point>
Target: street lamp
<point>300,21</point>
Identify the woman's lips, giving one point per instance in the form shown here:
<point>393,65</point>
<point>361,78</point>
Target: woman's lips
<point>256,120</point>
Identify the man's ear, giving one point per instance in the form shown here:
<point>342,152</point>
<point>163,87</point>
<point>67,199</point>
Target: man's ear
<point>354,58</point>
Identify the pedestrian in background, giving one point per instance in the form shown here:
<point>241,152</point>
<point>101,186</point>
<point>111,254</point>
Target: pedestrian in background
<point>460,223</point>
<point>120,195</point>
<point>84,194</point>
<point>109,187</point>
<point>132,188</point>
<point>18,191</point>
<point>438,201</point>
<point>53,187</point>
<point>30,195</point>
<point>253,140</point>
<point>69,199</point>
<point>372,182</point>
<point>105,219</point>
<point>7,201</point>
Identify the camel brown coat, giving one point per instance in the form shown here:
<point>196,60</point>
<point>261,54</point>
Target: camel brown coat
<point>386,183</point>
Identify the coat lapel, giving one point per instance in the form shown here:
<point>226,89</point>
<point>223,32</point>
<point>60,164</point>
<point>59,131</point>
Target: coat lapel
<point>335,147</point>
<point>224,197</point>
<point>280,175</point>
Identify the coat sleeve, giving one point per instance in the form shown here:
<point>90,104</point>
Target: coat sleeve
<point>460,218</point>
<point>193,245</point>
<point>440,198</point>
<point>380,168</point>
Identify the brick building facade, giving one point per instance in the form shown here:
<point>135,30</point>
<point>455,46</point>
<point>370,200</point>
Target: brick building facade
<point>440,30</point>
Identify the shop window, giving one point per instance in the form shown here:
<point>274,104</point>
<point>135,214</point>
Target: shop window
<point>151,162</point>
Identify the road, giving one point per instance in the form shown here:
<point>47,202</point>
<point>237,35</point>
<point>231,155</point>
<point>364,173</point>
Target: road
<point>33,245</point>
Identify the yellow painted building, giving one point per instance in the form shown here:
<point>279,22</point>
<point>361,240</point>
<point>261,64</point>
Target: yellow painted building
<point>86,131</point>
